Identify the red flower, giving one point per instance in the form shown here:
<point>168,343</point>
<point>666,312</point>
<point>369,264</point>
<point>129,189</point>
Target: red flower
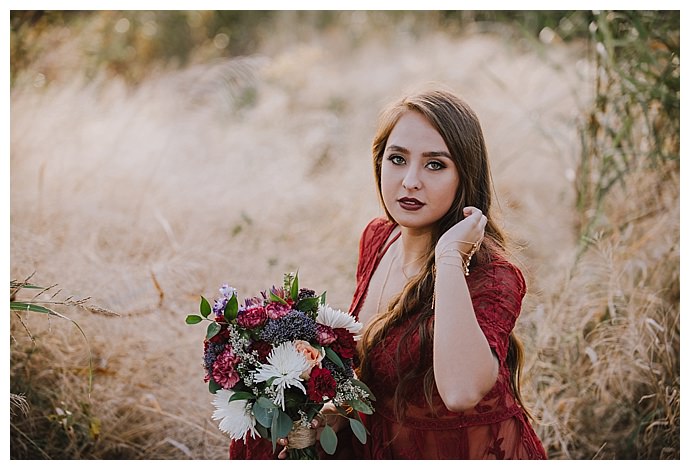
<point>224,373</point>
<point>324,334</point>
<point>276,310</point>
<point>344,345</point>
<point>321,385</point>
<point>252,317</point>
<point>263,348</point>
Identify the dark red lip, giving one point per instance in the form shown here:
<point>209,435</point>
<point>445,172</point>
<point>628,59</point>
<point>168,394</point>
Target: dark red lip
<point>410,203</point>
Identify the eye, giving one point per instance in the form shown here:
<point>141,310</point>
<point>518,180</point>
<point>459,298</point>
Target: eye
<point>396,159</point>
<point>435,165</point>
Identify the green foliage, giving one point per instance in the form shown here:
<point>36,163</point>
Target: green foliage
<point>635,122</point>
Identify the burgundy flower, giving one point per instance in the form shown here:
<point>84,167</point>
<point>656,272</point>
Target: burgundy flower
<point>325,334</point>
<point>224,373</point>
<point>344,345</point>
<point>320,384</point>
<point>276,310</point>
<point>252,317</point>
<point>263,348</point>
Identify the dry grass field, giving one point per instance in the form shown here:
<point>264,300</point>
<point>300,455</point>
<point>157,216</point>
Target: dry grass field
<point>144,195</point>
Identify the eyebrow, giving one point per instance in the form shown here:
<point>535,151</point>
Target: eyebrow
<point>440,153</point>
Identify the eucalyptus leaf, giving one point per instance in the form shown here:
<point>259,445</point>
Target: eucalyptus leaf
<point>193,319</point>
<point>266,403</point>
<point>283,423</point>
<point>330,354</point>
<point>212,330</point>
<point>361,406</point>
<point>364,387</point>
<point>359,430</point>
<point>322,298</point>
<point>204,307</point>
<point>263,432</point>
<point>263,415</point>
<point>329,440</point>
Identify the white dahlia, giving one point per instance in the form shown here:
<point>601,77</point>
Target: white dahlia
<point>337,319</point>
<point>285,365</point>
<point>235,419</point>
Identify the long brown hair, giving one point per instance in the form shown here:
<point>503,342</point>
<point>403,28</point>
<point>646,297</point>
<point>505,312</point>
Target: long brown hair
<point>460,129</point>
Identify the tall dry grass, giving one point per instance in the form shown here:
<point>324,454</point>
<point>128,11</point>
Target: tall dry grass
<point>144,196</point>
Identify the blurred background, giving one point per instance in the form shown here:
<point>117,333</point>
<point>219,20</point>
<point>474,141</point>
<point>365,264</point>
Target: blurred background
<point>156,155</point>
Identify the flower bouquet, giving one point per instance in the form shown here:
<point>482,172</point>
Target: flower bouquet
<point>273,362</point>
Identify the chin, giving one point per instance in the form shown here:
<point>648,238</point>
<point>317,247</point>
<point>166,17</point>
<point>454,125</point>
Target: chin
<point>413,221</point>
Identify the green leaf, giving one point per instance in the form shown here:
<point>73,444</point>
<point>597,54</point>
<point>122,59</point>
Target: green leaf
<point>266,403</point>
<point>364,387</point>
<point>213,387</point>
<point>263,415</point>
<point>330,354</point>
<point>359,430</point>
<point>329,440</point>
<point>212,330</point>
<point>193,319</point>
<point>361,406</point>
<point>204,307</point>
<point>294,288</point>
<point>275,298</point>
<point>282,424</point>
<point>263,432</point>
<point>231,308</point>
<point>241,396</point>
<point>308,304</point>
<point>22,306</point>
<point>322,298</point>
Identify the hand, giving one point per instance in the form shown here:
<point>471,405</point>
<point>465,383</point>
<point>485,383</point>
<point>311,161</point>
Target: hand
<point>461,235</point>
<point>328,415</point>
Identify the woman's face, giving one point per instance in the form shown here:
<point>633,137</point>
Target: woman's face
<point>418,177</point>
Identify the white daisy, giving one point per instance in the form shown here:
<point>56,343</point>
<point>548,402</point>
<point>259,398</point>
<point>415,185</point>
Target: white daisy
<point>235,419</point>
<point>285,365</point>
<point>337,319</point>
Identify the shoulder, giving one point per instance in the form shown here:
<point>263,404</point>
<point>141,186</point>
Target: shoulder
<point>376,232</point>
<point>501,274</point>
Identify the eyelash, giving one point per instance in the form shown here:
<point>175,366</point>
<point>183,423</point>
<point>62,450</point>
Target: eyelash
<point>394,157</point>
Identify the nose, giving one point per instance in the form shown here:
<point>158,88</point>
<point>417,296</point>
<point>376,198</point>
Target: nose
<point>411,179</point>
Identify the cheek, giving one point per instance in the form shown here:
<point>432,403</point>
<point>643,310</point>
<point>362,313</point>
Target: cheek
<point>447,192</point>
<point>388,181</point>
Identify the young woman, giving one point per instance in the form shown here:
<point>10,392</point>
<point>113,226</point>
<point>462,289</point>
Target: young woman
<point>437,297</point>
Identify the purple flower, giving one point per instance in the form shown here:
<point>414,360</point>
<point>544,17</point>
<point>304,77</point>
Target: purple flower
<point>294,325</point>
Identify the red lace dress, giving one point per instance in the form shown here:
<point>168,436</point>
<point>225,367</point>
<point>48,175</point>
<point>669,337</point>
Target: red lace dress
<point>497,428</point>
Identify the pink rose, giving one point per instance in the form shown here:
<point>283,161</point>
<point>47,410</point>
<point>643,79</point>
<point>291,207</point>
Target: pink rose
<point>311,354</point>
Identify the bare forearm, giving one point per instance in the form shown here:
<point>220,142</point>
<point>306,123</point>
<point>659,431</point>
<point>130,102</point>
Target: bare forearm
<point>464,366</point>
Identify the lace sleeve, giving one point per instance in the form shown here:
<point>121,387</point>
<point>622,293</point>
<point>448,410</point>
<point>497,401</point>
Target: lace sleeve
<point>373,236</point>
<point>497,292</point>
